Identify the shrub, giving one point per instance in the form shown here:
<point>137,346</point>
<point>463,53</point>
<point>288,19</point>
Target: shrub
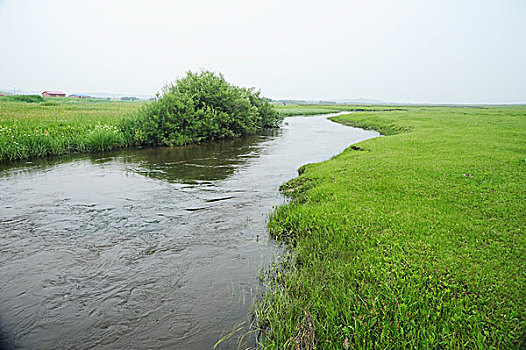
<point>28,98</point>
<point>200,107</point>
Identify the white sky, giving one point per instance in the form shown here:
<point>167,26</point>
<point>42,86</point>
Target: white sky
<point>436,51</point>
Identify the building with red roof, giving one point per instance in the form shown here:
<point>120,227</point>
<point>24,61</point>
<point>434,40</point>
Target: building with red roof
<point>53,94</point>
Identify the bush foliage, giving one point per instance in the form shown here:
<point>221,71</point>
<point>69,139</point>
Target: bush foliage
<point>200,107</point>
<point>24,98</point>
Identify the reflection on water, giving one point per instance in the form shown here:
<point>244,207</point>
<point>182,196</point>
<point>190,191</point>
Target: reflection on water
<point>187,164</point>
<point>207,162</point>
<point>150,248</point>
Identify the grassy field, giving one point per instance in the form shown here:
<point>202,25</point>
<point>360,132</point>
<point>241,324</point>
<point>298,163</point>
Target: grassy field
<point>59,126</point>
<point>314,109</point>
<point>301,109</point>
<point>413,240</point>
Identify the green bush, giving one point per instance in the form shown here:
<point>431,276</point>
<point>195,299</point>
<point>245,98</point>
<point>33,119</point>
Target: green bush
<point>28,98</point>
<point>200,107</point>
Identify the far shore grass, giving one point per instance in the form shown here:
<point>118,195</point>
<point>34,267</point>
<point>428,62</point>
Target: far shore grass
<point>59,126</point>
<point>413,240</point>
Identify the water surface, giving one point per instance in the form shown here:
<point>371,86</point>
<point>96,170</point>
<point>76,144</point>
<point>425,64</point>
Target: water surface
<point>153,248</point>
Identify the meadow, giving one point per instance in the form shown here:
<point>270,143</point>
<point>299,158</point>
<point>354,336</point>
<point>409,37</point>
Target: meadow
<point>412,240</point>
<point>316,109</point>
<point>55,126</point>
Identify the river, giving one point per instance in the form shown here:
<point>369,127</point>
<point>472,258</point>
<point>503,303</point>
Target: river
<point>147,248</point>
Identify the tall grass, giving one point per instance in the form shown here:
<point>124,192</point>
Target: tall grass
<point>31,130</point>
<point>414,240</point>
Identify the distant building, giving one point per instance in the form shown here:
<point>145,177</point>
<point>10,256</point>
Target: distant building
<point>79,96</point>
<point>53,94</point>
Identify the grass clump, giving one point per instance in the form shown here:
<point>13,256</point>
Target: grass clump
<point>200,107</point>
<point>415,242</point>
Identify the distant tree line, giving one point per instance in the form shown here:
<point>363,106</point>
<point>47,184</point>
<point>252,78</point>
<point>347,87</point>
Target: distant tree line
<point>24,98</point>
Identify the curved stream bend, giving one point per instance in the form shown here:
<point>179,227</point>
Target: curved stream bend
<point>152,248</point>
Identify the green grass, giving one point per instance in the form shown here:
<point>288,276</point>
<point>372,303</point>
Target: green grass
<point>298,109</point>
<point>59,126</point>
<point>414,241</point>
<point>316,109</point>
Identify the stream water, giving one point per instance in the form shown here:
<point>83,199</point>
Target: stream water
<point>150,248</point>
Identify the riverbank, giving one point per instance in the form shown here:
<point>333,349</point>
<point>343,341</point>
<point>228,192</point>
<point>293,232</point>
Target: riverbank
<point>415,239</point>
<point>60,126</point>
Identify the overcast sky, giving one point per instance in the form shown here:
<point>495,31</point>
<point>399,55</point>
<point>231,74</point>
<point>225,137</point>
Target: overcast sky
<point>403,51</point>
